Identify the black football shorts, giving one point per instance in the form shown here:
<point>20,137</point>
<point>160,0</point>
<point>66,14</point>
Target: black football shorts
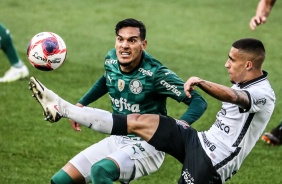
<point>181,141</point>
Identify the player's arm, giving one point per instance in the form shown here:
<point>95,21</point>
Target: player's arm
<point>98,90</point>
<point>262,12</point>
<point>218,91</point>
<point>197,105</point>
<point>169,84</point>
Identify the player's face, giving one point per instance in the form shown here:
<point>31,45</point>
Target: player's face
<point>236,66</point>
<point>129,47</point>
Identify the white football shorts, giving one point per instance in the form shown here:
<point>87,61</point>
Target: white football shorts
<point>126,152</point>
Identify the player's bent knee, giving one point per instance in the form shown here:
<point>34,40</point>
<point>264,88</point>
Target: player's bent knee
<point>104,170</point>
<point>61,177</point>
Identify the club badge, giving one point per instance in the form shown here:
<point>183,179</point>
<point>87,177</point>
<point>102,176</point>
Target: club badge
<point>135,86</point>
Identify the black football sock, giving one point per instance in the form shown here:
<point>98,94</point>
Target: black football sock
<point>119,124</point>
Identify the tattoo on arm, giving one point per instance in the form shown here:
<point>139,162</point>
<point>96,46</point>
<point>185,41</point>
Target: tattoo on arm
<point>205,83</point>
<point>242,98</point>
<point>226,94</point>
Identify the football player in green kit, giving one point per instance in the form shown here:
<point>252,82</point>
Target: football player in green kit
<point>18,70</point>
<point>136,83</point>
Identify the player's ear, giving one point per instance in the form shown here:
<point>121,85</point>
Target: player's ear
<point>144,44</point>
<point>249,65</point>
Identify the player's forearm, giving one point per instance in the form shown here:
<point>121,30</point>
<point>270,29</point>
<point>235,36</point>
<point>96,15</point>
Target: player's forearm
<point>225,94</point>
<point>264,7</point>
<point>217,91</point>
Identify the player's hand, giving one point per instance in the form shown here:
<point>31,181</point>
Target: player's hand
<point>190,85</point>
<point>74,124</point>
<point>257,20</point>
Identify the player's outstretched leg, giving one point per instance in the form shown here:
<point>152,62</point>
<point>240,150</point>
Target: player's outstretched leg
<point>47,99</point>
<point>55,108</point>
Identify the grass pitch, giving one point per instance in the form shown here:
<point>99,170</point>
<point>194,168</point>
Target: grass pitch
<point>190,37</point>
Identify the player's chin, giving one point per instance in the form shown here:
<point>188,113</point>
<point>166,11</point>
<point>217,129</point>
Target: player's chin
<point>124,62</point>
<point>232,79</point>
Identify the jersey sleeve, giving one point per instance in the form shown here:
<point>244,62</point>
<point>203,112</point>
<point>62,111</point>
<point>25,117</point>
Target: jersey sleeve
<point>259,98</point>
<point>99,88</point>
<point>197,107</point>
<point>169,84</point>
<point>95,92</point>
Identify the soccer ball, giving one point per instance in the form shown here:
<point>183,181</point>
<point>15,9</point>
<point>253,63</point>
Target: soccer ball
<point>46,51</point>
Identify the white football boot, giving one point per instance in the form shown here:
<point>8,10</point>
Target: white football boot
<point>14,74</point>
<point>47,99</point>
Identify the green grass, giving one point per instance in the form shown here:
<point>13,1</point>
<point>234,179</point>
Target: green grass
<point>190,37</point>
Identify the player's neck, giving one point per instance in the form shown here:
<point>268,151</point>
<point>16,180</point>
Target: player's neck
<point>130,67</point>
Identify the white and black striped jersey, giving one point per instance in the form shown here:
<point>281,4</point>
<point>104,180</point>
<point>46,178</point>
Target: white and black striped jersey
<point>235,130</point>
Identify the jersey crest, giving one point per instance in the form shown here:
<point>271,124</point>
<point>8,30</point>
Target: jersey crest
<point>135,86</point>
<point>121,84</point>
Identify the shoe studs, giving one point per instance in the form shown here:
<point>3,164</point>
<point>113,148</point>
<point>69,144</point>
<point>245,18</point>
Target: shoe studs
<point>35,93</point>
<point>48,118</point>
<point>38,95</point>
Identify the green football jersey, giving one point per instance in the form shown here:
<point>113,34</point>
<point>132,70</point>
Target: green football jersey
<point>143,90</point>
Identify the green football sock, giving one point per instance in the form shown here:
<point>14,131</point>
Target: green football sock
<point>104,172</point>
<point>7,46</point>
<point>61,177</point>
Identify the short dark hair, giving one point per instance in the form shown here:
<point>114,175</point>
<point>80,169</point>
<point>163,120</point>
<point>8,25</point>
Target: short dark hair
<point>252,46</point>
<point>130,22</point>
